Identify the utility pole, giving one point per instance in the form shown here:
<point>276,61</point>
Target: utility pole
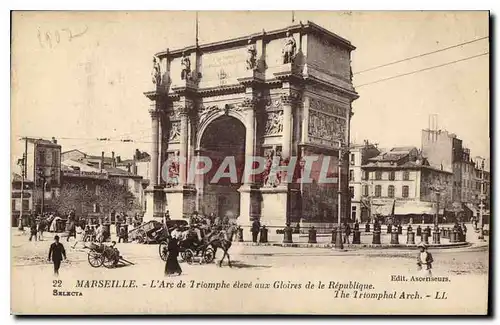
<point>23,175</point>
<point>41,174</point>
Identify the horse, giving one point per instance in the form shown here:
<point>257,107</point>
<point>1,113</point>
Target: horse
<point>223,239</point>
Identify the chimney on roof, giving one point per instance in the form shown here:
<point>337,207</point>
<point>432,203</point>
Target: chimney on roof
<point>128,167</point>
<point>54,141</point>
<point>137,154</point>
<point>113,160</point>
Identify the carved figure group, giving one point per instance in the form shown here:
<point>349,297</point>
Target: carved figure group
<point>173,169</point>
<point>289,48</point>
<point>156,73</point>
<point>271,176</point>
<point>186,67</point>
<point>175,131</point>
<point>326,127</point>
<point>251,60</point>
<point>274,123</point>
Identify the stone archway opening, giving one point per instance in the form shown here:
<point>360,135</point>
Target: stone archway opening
<point>222,141</point>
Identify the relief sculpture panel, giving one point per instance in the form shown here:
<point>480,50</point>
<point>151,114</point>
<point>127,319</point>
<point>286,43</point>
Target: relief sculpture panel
<point>175,132</point>
<point>274,123</point>
<point>329,108</point>
<point>325,129</point>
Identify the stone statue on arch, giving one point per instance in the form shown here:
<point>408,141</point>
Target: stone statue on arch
<point>186,67</point>
<point>289,48</point>
<point>251,60</point>
<point>156,73</point>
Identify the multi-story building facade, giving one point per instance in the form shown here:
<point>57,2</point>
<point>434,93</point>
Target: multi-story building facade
<point>90,178</point>
<point>20,202</point>
<point>444,150</point>
<point>42,165</point>
<point>116,170</point>
<point>482,176</point>
<point>359,155</point>
<point>468,177</point>
<point>401,183</point>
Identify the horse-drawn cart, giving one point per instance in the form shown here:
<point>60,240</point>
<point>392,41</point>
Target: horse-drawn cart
<point>100,254</point>
<point>148,233</point>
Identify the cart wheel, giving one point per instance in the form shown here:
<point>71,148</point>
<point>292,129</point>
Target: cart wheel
<point>188,256</point>
<point>209,255</point>
<point>183,256</point>
<point>163,250</point>
<point>95,259</point>
<point>141,236</point>
<point>109,262</point>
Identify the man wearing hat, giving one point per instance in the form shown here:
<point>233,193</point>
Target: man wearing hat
<point>424,260</point>
<point>56,254</point>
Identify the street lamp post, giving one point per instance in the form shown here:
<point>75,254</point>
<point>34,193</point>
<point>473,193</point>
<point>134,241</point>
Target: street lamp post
<point>437,189</point>
<point>481,205</point>
<point>342,152</point>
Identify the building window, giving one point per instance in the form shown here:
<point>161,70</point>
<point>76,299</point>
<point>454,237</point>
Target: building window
<point>390,191</point>
<point>378,191</point>
<point>351,191</point>
<point>351,175</point>
<point>352,159</point>
<point>55,158</point>
<point>41,158</point>
<point>136,187</point>
<point>406,191</point>
<point>365,190</point>
<point>378,175</point>
<point>366,175</point>
<point>26,204</point>
<point>14,205</point>
<point>406,175</point>
<point>353,213</point>
<point>392,176</point>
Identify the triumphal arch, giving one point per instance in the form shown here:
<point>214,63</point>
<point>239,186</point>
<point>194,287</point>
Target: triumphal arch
<point>276,94</point>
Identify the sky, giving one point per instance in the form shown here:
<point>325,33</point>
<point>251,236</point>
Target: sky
<point>86,79</point>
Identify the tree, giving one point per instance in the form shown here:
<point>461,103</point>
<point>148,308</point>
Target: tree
<point>73,197</point>
<point>115,197</point>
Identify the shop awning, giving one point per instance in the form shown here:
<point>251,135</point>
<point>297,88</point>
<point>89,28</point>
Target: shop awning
<point>415,207</point>
<point>382,207</point>
<point>474,209</point>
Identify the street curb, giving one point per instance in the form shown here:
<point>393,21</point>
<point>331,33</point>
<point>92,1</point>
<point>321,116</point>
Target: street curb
<point>367,246</point>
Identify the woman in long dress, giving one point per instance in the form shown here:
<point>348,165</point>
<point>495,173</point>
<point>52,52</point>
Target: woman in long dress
<point>172,264</point>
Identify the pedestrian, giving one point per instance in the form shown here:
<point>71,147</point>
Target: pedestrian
<point>255,229</point>
<point>424,260</point>
<point>122,235</point>
<point>41,228</point>
<point>80,235</point>
<point>172,264</point>
<point>347,229</point>
<point>71,229</point>
<point>33,230</point>
<point>56,254</point>
<point>218,222</point>
<point>464,231</point>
